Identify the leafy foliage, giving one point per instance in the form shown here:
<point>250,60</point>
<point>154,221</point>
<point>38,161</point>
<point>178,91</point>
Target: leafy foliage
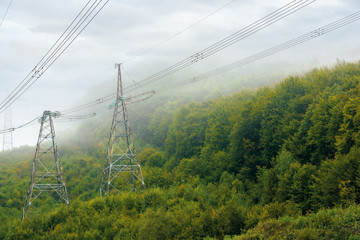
<point>267,164</point>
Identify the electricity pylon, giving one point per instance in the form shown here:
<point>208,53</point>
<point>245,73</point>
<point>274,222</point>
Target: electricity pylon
<point>122,170</point>
<point>8,137</point>
<point>46,176</point>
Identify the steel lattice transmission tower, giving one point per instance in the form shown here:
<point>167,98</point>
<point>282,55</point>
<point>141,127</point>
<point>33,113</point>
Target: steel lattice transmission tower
<point>122,170</point>
<point>8,136</point>
<point>46,176</point>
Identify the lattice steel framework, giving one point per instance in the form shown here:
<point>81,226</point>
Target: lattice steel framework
<point>46,176</point>
<point>8,136</point>
<point>122,170</point>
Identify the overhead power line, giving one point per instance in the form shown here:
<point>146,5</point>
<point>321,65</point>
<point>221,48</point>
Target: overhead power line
<point>258,25</point>
<point>61,118</point>
<point>76,27</point>
<point>276,49</point>
<point>7,9</point>
<point>178,33</point>
<point>91,104</point>
<point>281,47</point>
<point>71,118</point>
<point>30,123</point>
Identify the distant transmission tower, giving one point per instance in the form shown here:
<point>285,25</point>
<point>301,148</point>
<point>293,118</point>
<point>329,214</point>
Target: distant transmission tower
<point>46,176</point>
<point>122,170</point>
<point>8,137</point>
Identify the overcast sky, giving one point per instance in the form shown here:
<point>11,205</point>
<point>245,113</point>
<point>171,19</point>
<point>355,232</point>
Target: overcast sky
<point>124,29</point>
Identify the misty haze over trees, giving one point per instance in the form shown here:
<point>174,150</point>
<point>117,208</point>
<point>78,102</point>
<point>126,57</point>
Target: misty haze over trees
<point>277,162</point>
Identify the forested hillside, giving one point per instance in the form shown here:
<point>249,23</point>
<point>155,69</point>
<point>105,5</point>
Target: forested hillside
<point>280,162</point>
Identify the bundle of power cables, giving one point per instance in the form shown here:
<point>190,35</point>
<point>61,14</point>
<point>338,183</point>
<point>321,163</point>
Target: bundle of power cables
<point>76,27</point>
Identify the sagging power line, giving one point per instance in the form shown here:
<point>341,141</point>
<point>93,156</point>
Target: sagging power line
<point>60,118</point>
<point>258,25</point>
<point>76,27</point>
<point>253,58</point>
<point>276,49</point>
<point>178,33</point>
<point>258,56</point>
<point>7,9</point>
